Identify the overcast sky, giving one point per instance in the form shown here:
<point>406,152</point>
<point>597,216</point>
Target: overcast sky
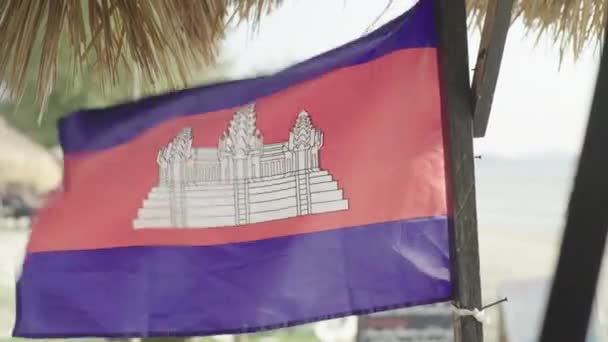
<point>539,109</point>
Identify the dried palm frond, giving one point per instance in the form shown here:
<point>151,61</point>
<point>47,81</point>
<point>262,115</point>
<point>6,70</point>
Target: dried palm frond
<point>165,40</point>
<point>573,24</point>
<point>168,40</point>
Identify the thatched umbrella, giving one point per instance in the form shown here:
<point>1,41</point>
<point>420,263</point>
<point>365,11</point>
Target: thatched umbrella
<point>25,163</point>
<point>163,39</point>
<point>571,23</point>
<point>166,39</point>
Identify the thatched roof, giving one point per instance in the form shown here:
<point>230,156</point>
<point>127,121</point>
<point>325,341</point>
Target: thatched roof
<point>167,39</point>
<point>164,39</point>
<point>25,163</point>
<point>572,24</point>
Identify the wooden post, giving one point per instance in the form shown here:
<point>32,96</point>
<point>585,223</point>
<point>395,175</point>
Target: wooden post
<point>450,16</point>
<point>584,240</point>
<point>489,59</point>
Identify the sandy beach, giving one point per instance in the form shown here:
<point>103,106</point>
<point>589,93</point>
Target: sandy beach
<point>510,257</point>
<point>12,245</point>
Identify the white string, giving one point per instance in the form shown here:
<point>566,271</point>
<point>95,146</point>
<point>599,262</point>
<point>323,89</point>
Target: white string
<point>479,315</point>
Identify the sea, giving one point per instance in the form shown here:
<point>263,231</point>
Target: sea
<point>524,194</point>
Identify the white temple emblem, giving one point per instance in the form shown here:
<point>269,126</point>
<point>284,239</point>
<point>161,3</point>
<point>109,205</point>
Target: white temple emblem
<point>242,181</point>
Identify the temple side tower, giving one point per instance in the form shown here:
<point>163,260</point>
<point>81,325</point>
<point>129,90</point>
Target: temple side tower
<point>304,144</point>
<point>174,168</point>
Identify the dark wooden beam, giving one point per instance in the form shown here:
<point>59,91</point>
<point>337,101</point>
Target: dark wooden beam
<point>582,250</point>
<point>450,16</point>
<point>489,59</point>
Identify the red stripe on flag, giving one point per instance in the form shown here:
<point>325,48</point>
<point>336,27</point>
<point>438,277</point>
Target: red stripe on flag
<point>382,143</point>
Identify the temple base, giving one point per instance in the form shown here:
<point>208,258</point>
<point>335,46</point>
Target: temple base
<point>212,204</point>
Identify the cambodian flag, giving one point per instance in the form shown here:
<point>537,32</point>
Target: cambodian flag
<point>315,193</point>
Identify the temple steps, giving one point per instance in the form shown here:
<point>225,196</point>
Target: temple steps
<point>218,205</point>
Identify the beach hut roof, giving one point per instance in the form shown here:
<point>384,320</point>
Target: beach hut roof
<point>573,24</point>
<point>167,39</point>
<point>25,163</point>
